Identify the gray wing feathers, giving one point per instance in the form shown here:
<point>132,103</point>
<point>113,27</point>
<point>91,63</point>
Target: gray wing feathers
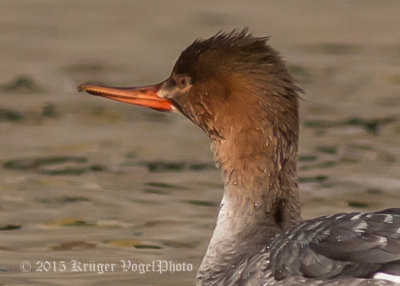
<point>353,244</point>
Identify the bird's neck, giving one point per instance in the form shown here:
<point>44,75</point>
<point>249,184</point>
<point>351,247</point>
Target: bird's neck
<point>260,197</point>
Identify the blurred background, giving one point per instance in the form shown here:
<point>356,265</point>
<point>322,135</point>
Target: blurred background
<point>90,179</point>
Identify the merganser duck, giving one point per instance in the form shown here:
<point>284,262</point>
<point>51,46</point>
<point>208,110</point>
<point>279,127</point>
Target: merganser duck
<point>238,90</point>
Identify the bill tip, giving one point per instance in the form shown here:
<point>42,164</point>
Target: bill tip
<point>82,87</point>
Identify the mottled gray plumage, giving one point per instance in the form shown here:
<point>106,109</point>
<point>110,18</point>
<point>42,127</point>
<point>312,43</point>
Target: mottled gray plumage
<point>355,244</point>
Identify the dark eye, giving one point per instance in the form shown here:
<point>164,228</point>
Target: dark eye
<point>182,81</point>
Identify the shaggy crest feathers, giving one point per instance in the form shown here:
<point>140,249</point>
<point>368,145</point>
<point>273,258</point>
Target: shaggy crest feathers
<point>228,52</point>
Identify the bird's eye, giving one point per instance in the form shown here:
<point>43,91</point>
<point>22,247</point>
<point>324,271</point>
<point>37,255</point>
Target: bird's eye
<point>182,81</point>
